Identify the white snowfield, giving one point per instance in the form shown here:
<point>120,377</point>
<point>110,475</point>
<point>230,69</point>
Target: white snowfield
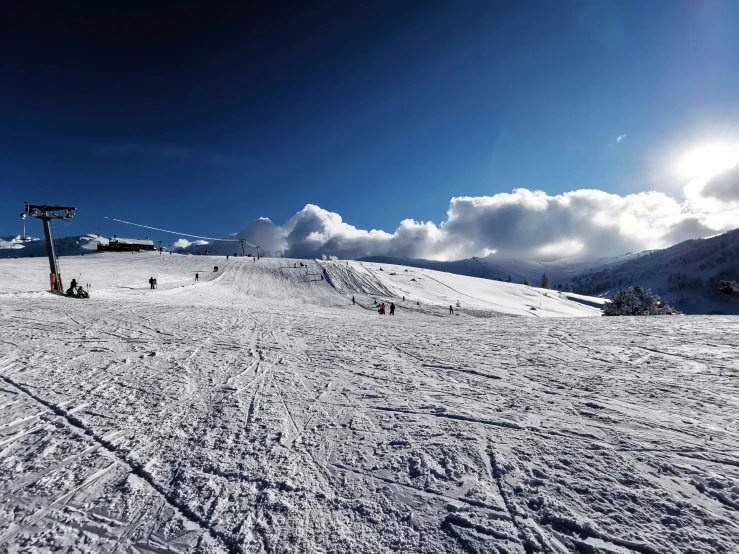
<point>259,410</point>
<point>441,288</point>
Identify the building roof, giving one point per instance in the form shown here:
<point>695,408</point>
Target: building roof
<point>132,241</point>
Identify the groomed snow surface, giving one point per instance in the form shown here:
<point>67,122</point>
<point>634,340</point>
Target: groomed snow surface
<point>258,410</point>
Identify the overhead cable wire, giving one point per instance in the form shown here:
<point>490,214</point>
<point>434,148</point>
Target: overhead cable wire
<point>177,233</point>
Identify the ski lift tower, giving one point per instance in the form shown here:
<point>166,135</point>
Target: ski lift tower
<point>46,214</point>
<point>243,253</point>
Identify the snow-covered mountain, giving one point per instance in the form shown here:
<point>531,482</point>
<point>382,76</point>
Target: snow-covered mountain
<point>15,242</point>
<point>686,275</point>
<point>11,247</point>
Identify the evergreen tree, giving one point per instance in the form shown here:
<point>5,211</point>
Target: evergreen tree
<point>729,287</point>
<point>636,301</point>
<point>526,282</point>
<point>545,284</point>
<point>568,288</point>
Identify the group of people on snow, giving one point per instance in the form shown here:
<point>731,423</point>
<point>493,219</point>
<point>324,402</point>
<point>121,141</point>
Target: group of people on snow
<point>77,291</point>
<point>152,282</point>
<point>382,308</point>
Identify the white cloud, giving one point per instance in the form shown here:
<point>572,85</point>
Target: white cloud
<point>620,138</point>
<point>184,243</point>
<point>526,223</point>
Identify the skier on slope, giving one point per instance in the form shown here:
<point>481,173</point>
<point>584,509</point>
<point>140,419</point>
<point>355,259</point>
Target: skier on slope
<point>392,308</point>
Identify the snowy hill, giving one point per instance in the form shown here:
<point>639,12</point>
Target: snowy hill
<point>560,271</point>
<point>444,289</point>
<point>276,278</point>
<point>686,275</point>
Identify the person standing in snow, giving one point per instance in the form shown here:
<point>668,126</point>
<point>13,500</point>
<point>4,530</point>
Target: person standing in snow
<point>155,283</point>
<point>353,301</point>
<point>73,284</point>
<point>451,309</point>
<point>392,308</point>
<point>197,277</point>
<point>151,282</point>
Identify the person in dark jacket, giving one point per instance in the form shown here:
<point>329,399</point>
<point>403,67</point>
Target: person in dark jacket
<point>353,301</point>
<point>392,308</point>
<point>451,309</point>
<point>197,277</point>
<point>151,282</point>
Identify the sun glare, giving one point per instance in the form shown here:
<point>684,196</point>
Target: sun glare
<point>709,160</point>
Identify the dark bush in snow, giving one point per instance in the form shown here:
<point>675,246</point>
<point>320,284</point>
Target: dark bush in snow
<point>637,301</point>
<point>526,282</point>
<point>729,287</point>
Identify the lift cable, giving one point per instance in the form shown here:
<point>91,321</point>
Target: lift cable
<point>182,234</point>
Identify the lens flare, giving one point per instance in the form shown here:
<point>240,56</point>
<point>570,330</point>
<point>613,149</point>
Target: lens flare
<point>707,161</point>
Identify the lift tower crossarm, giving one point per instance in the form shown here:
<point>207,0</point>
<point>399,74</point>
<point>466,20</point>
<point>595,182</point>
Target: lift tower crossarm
<point>46,214</point>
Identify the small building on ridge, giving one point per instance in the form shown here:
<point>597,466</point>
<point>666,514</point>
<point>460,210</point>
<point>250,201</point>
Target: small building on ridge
<point>126,245</point>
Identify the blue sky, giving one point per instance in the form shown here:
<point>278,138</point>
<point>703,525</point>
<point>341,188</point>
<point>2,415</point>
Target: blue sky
<point>202,119</point>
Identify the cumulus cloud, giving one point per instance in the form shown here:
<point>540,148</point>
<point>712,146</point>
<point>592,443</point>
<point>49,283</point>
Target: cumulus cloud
<point>525,223</point>
<point>620,138</point>
<point>184,243</point>
<point>724,186</point>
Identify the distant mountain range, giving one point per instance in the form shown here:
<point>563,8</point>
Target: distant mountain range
<point>686,275</point>
<point>15,246</point>
<point>560,272</point>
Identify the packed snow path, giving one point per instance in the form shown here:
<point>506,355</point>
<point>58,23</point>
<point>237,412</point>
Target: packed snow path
<point>260,411</point>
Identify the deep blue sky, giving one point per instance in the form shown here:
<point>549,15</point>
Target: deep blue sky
<point>200,119</point>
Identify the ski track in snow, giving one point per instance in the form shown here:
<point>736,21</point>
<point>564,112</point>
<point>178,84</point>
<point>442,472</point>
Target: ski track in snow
<point>260,411</point>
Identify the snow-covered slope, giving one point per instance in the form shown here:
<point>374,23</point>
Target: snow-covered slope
<point>445,289</point>
<point>278,278</point>
<point>259,410</point>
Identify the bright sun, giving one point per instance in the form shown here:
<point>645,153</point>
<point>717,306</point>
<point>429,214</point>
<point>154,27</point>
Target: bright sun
<point>709,160</point>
